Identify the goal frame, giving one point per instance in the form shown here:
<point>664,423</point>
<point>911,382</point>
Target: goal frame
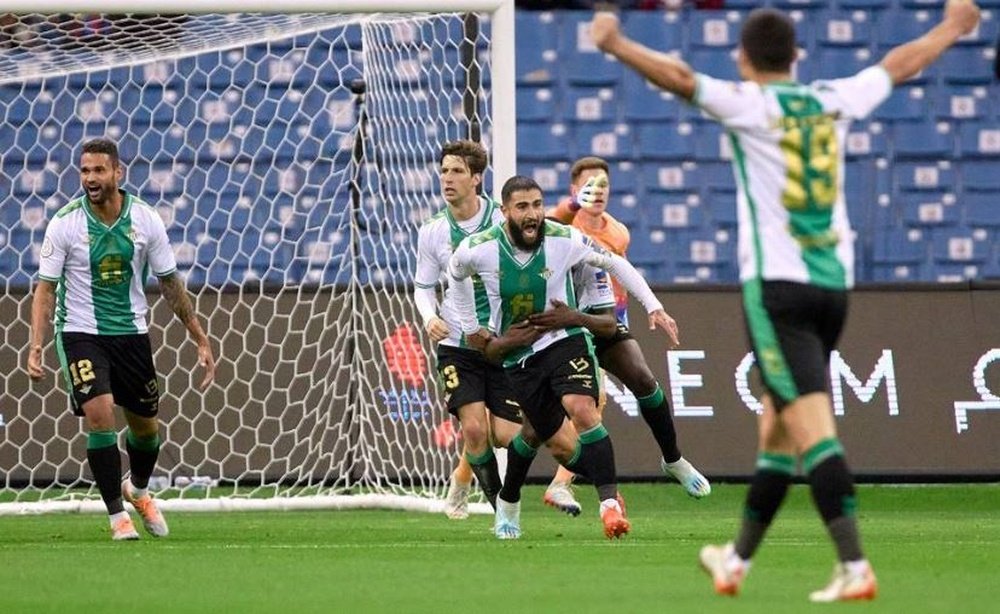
<point>503,162</point>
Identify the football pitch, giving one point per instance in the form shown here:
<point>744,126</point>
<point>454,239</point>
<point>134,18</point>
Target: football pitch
<point>934,548</point>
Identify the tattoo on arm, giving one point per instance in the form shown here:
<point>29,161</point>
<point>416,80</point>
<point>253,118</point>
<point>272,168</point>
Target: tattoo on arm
<point>176,294</point>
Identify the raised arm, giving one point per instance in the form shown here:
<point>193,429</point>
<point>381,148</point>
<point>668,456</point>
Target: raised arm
<point>637,286</point>
<point>43,301</point>
<point>176,295</point>
<point>908,59</point>
<point>664,71</point>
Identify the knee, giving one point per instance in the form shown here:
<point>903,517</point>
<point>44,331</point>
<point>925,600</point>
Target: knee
<point>583,412</point>
<point>475,435</point>
<point>641,382</point>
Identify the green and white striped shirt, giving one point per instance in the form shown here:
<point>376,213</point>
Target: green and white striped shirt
<point>101,270</point>
<point>788,155</point>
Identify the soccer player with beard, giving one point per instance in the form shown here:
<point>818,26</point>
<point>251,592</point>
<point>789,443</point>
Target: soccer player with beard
<point>586,210</point>
<point>471,384</point>
<point>525,264</point>
<point>94,258</point>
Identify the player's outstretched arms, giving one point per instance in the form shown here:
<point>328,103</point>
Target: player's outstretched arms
<point>908,59</point>
<point>561,315</point>
<point>664,71</point>
<point>42,303</point>
<point>172,287</point>
<point>517,336</point>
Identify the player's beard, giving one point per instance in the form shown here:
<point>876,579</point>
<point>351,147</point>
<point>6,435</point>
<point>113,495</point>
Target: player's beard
<point>102,195</point>
<point>517,236</point>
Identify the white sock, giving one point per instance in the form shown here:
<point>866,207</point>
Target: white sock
<point>608,503</point>
<point>116,518</point>
<point>137,492</point>
<point>857,568</point>
<point>734,561</point>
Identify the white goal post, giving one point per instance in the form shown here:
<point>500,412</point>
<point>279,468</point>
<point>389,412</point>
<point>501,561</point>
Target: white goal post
<point>292,157</point>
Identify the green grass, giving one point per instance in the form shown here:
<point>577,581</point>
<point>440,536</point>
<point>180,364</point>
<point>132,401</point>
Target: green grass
<point>935,549</point>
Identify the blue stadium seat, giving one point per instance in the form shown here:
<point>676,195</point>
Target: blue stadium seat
<point>582,63</point>
<point>660,30</point>
<point>715,62</point>
<point>961,245</point>
<point>678,176</point>
<point>649,248</point>
<point>552,177</point>
<point>714,28</point>
<point>980,139</point>
<point>590,104</point>
<point>929,209</point>
<point>967,65</point>
<point>866,140</point>
<point>868,5</point>
<point>721,203</point>
<point>843,28</point>
<point>986,33</point>
<point>666,141</point>
<point>536,104</point>
<point>543,142</point>
<point>898,272</point>
<point>982,209</point>
<point>626,208</point>
<point>923,176</point>
<point>947,272</point>
<point>643,101</point>
<point>980,175</point>
<point>962,102</point>
<point>674,210</point>
<point>834,63</point>
<point>624,177</point>
<point>537,40</point>
<point>718,175</point>
<point>897,246</point>
<point>903,25</point>
<point>923,140</point>
<point>905,103</point>
<point>712,143</point>
<point>608,141</point>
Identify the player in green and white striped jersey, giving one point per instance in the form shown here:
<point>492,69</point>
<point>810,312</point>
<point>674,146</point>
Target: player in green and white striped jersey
<point>95,259</point>
<point>471,384</point>
<point>796,256</point>
<point>525,264</point>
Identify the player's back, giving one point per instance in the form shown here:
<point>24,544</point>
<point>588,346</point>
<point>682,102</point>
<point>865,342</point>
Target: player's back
<point>788,158</point>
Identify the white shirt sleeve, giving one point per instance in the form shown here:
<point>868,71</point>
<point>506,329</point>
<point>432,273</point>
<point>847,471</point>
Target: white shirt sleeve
<point>428,271</point>
<point>460,271</point>
<point>52,257</point>
<point>160,255</point>
<point>619,267</point>
<point>855,97</point>
<point>426,301</point>
<point>732,103</point>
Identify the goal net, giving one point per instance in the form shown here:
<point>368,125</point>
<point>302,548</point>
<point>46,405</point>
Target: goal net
<point>292,158</point>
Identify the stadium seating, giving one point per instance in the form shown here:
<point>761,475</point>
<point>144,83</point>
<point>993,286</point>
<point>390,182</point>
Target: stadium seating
<point>921,181</point>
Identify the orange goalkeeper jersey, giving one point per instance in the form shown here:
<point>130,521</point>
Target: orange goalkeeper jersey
<point>612,236</point>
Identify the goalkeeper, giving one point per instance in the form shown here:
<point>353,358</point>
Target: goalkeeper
<point>586,210</point>
<point>95,256</point>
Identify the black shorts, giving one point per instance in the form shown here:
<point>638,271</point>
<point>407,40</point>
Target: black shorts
<point>601,344</point>
<point>568,366</point>
<point>121,365</point>
<point>793,328</point>
<point>468,377</point>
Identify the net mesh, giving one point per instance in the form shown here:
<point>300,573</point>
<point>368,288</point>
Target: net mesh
<point>292,199</point>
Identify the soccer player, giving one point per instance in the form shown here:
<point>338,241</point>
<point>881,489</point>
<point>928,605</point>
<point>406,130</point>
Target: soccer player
<point>471,383</point>
<point>93,267</point>
<point>526,263</point>
<point>586,210</point>
<point>796,257</point>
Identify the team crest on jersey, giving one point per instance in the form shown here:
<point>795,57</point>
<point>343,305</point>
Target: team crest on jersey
<point>47,248</point>
<point>545,273</point>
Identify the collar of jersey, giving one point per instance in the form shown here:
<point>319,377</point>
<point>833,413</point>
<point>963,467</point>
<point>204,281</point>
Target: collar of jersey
<point>484,223</point>
<point>126,204</point>
<point>508,247</point>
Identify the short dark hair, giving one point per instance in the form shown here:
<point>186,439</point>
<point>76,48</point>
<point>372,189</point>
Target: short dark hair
<point>517,183</point>
<point>472,152</point>
<point>587,163</point>
<point>768,40</point>
<point>102,146</point>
